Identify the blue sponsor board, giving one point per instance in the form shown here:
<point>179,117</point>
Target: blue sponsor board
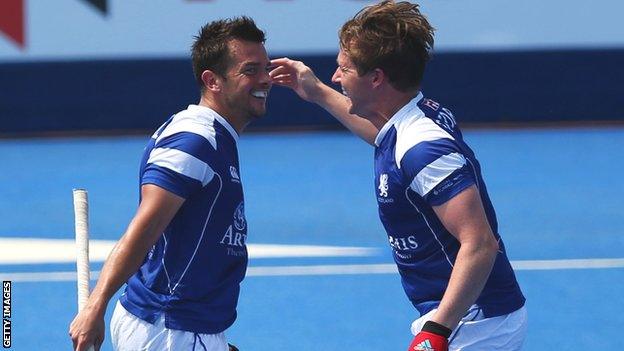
<point>480,87</point>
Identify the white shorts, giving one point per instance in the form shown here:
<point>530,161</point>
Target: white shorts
<point>130,333</point>
<point>476,333</point>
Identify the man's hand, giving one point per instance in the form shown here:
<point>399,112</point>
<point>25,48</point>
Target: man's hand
<point>300,78</point>
<point>87,329</point>
<point>432,337</point>
<point>296,76</point>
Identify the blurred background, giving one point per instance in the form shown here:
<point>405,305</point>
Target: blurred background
<point>106,65</point>
<point>536,85</point>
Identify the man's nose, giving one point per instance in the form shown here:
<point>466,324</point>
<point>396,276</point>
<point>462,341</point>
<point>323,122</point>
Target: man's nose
<point>336,77</point>
<point>265,78</point>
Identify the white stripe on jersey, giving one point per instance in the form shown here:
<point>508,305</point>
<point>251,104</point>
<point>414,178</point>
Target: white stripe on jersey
<point>411,132</point>
<point>436,171</point>
<point>186,122</point>
<point>401,114</point>
<point>182,163</point>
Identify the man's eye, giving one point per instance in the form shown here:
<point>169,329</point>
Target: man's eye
<point>250,71</point>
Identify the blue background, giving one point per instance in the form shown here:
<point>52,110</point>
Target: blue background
<point>556,191</point>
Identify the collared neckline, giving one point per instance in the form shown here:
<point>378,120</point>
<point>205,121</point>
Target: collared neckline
<point>397,116</point>
<point>206,111</point>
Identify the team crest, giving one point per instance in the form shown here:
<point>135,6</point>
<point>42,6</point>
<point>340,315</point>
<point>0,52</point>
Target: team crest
<point>383,185</point>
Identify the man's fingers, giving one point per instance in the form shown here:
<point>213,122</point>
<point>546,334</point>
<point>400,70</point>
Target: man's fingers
<point>280,61</point>
<point>287,84</point>
<point>282,77</point>
<point>279,70</point>
<point>288,64</point>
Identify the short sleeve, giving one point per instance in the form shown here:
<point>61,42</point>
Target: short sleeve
<point>450,186</point>
<point>179,164</point>
<point>436,170</point>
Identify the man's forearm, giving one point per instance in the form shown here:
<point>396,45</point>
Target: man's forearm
<point>338,105</point>
<point>123,261</point>
<point>470,273</point>
<point>156,210</point>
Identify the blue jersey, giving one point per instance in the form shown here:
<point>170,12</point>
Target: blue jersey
<point>422,161</point>
<point>192,274</point>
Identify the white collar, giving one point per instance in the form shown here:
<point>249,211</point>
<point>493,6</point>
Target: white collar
<point>397,116</point>
<point>211,114</point>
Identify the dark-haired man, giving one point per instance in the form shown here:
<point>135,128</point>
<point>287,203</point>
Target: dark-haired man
<point>183,255</point>
<point>431,196</point>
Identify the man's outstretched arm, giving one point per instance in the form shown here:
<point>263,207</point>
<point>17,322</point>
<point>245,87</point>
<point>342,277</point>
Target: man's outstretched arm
<point>156,210</point>
<point>300,78</point>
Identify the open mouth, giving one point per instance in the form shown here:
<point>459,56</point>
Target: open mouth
<point>260,94</point>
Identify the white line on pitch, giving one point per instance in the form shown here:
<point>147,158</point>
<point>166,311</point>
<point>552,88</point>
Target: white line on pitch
<point>39,250</point>
<point>385,268</point>
<point>568,264</point>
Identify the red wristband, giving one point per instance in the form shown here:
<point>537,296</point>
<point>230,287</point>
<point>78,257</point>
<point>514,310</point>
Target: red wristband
<point>425,341</point>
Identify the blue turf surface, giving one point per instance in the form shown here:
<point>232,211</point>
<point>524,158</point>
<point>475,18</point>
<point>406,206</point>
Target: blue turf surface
<point>556,191</point>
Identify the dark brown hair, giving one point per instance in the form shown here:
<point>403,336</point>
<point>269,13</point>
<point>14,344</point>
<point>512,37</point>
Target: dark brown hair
<point>210,49</point>
<point>392,36</point>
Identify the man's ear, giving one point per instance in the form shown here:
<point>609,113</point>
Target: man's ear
<point>212,81</point>
<point>377,77</point>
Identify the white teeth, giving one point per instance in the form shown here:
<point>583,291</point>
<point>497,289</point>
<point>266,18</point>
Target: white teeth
<point>344,92</point>
<point>260,94</point>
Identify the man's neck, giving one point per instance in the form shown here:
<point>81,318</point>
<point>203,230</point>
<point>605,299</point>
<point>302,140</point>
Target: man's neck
<point>232,120</point>
<point>388,106</point>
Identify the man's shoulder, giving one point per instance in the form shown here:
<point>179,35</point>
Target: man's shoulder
<point>439,114</point>
<point>188,124</point>
<point>430,107</point>
<point>418,130</point>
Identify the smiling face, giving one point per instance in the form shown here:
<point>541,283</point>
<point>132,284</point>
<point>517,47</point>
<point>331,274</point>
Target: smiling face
<point>358,89</point>
<point>246,84</point>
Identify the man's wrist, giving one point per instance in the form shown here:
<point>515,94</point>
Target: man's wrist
<point>437,328</point>
<point>97,304</point>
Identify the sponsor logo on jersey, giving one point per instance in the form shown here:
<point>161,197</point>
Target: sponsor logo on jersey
<point>233,238</point>
<point>402,244</point>
<point>234,235</point>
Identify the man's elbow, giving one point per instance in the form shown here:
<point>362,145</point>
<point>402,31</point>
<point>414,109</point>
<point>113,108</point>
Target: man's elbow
<point>484,245</point>
<point>490,246</point>
<point>493,243</point>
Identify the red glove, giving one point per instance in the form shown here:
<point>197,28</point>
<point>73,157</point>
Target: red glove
<point>432,337</point>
